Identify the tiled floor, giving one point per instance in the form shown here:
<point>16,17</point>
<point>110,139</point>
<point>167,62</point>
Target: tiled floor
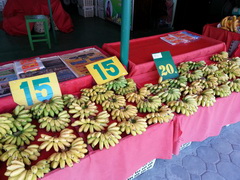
<point>216,158</point>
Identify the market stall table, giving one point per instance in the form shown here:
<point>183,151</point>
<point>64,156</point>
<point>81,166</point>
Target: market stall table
<point>141,50</point>
<point>211,30</point>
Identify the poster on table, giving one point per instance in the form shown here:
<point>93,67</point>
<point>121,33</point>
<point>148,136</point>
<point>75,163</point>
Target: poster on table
<point>113,11</point>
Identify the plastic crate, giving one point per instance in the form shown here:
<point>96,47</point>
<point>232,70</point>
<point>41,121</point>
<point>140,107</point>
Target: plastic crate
<point>143,169</point>
<point>2,4</point>
<point>83,3</point>
<point>100,12</point>
<point>86,11</point>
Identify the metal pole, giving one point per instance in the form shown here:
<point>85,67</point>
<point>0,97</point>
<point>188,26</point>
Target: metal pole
<point>51,20</point>
<point>125,31</point>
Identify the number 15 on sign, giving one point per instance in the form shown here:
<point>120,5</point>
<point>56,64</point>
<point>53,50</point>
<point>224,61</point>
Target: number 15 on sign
<point>31,90</point>
<point>106,70</point>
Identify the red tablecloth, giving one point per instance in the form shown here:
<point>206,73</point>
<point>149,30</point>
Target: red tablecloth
<point>212,31</point>
<point>15,10</point>
<point>141,50</point>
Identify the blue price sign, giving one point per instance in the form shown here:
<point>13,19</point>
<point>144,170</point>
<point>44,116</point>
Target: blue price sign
<point>31,90</point>
<point>165,65</point>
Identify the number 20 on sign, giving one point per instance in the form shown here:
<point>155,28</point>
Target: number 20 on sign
<point>31,90</point>
<point>106,70</point>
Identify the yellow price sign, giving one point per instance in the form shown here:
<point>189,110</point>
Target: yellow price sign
<point>106,70</point>
<point>29,91</point>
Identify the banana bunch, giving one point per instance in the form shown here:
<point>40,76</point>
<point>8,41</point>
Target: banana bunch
<point>233,71</point>
<point>73,154</point>
<point>222,77</point>
<point>105,139</point>
<point>164,115</point>
<point>230,23</point>
<point>22,115</point>
<point>19,138</point>
<point>48,107</point>
<point>1,148</point>
<point>82,110</point>
<point>222,90</point>
<point>209,69</point>
<point>123,113</point>
<point>171,94</point>
<point>65,138</point>
<point>23,154</point>
<point>191,65</point>
<point>156,88</point>
<point>102,96</point>
<point>93,123</point>
<point>5,125</point>
<point>179,82</point>
<point>206,98</point>
<point>234,85</point>
<point>114,102</point>
<point>17,170</point>
<point>55,124</point>
<point>193,75</point>
<point>116,84</point>
<point>15,125</point>
<point>137,96</point>
<point>194,88</point>
<point>183,68</point>
<point>130,87</point>
<point>236,60</point>
<point>208,82</point>
<point>187,106</point>
<point>68,99</point>
<point>134,126</point>
<point>149,104</point>
<point>218,57</point>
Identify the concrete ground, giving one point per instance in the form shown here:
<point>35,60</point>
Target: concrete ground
<point>216,158</point>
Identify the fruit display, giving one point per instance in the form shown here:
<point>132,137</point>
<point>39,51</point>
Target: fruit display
<point>105,139</point>
<point>164,115</point>
<point>92,123</point>
<point>230,23</point>
<point>71,155</point>
<point>21,137</point>
<point>55,124</point>
<point>65,138</point>
<point>138,96</point>
<point>149,104</point>
<point>23,154</point>
<point>124,112</point>
<point>49,107</point>
<point>114,102</point>
<point>81,110</point>
<point>17,170</point>
<point>134,126</point>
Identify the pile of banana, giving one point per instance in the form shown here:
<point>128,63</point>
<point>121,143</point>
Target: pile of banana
<point>72,154</point>
<point>234,85</point>
<point>135,97</point>
<point>62,142</point>
<point>93,123</point>
<point>23,154</point>
<point>123,113</point>
<point>50,107</point>
<point>206,98</point>
<point>134,126</point>
<point>81,110</point>
<point>114,102</point>
<point>55,124</point>
<point>149,104</point>
<point>21,137</point>
<point>164,115</point>
<point>17,170</point>
<point>105,139</point>
<point>230,23</point>
<point>170,94</point>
